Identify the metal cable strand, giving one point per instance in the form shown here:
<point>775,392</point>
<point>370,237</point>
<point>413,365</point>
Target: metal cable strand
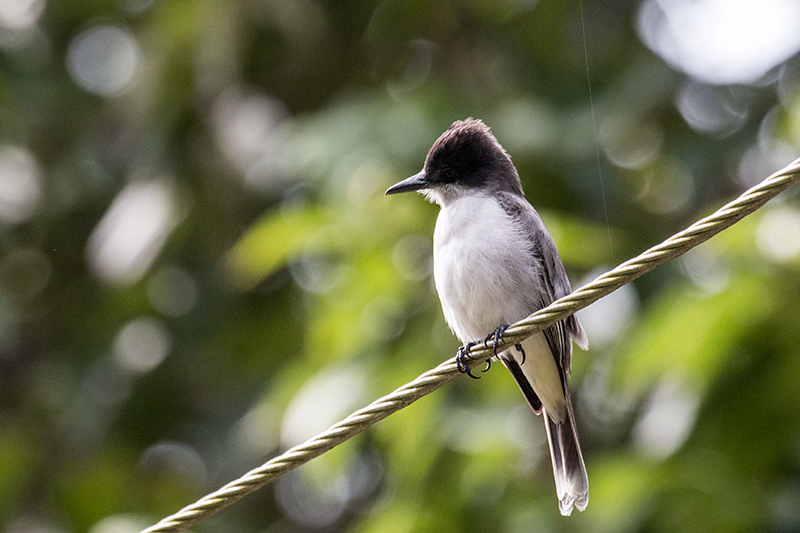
<point>426,383</point>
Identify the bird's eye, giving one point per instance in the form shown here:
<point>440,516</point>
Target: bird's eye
<point>449,173</point>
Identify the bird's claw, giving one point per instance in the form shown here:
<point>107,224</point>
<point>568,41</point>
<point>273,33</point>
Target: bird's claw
<point>520,350</point>
<point>462,358</point>
<point>496,336</point>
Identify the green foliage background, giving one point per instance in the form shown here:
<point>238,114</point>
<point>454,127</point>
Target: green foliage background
<point>290,291</point>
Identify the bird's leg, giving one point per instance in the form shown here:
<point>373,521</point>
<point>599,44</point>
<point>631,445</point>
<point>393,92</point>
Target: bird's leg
<point>461,360</point>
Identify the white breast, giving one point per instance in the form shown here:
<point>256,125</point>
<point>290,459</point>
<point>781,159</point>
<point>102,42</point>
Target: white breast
<point>480,264</point>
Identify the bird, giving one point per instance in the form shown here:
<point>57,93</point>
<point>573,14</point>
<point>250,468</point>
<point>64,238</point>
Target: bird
<point>495,263</point>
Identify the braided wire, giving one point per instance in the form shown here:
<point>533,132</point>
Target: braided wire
<point>431,380</point>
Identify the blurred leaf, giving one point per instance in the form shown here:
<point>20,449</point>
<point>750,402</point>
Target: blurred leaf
<point>277,238</point>
<point>692,334</point>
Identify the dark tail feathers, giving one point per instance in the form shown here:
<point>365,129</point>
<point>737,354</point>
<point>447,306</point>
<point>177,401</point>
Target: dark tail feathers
<point>572,483</point>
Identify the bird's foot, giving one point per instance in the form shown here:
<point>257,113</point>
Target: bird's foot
<point>463,358</point>
<point>496,336</point>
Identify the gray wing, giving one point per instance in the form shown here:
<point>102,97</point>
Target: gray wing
<point>552,278</point>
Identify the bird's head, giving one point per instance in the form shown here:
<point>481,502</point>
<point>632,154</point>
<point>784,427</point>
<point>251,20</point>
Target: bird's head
<point>464,159</point>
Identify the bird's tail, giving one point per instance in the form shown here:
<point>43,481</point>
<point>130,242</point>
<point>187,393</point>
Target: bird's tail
<point>572,483</point>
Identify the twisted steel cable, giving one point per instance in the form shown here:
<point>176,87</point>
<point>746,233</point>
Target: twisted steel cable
<point>431,380</point>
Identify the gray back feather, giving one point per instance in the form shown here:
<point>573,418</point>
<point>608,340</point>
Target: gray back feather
<point>553,282</point>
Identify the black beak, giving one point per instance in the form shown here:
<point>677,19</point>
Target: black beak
<point>414,183</point>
